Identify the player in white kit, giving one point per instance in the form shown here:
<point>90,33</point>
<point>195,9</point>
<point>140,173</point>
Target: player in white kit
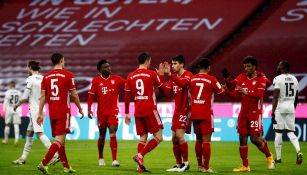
<point>285,98</point>
<point>11,98</point>
<point>32,94</point>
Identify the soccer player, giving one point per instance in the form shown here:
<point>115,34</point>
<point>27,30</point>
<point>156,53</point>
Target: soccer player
<point>141,84</point>
<point>106,88</point>
<point>31,94</point>
<point>250,87</point>
<point>57,88</point>
<point>178,86</point>
<point>202,88</point>
<point>11,98</point>
<point>285,98</point>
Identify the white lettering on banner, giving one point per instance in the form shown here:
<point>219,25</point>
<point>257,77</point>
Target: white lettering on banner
<point>92,129</point>
<point>301,132</point>
<point>48,40</point>
<point>55,33</point>
<point>54,13</point>
<point>107,2</point>
<point>297,14</point>
<point>96,12</point>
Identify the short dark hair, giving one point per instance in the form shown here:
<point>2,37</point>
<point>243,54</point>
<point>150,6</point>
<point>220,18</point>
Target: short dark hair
<point>100,63</point>
<point>285,65</point>
<point>250,59</point>
<point>56,58</point>
<point>12,83</point>
<point>34,65</point>
<point>179,58</point>
<point>143,57</point>
<point>204,63</point>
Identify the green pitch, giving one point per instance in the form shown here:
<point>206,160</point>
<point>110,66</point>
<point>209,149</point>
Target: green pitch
<point>82,156</point>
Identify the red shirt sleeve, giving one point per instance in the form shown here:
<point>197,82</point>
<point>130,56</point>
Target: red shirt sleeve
<point>127,95</point>
<point>181,82</point>
<point>93,87</point>
<point>71,82</point>
<point>43,86</point>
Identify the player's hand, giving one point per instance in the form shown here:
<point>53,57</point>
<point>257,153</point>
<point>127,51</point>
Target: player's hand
<point>81,112</point>
<point>15,108</point>
<point>242,91</point>
<point>225,73</point>
<point>40,120</point>
<point>90,114</point>
<point>273,118</point>
<point>127,119</point>
<point>167,69</point>
<point>160,71</point>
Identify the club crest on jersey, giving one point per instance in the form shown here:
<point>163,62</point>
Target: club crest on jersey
<point>254,82</point>
<point>112,82</point>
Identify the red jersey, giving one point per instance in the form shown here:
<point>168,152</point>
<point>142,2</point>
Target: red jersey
<point>179,86</point>
<point>57,83</point>
<point>141,84</point>
<point>202,88</point>
<point>253,101</point>
<point>106,90</point>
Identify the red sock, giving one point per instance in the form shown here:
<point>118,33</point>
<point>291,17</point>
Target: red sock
<point>51,151</point>
<point>63,157</point>
<point>141,146</point>
<point>184,151</point>
<point>177,153</point>
<point>100,147</point>
<point>150,146</point>
<point>199,152</point>
<point>206,154</point>
<point>264,148</point>
<point>244,155</point>
<point>113,146</point>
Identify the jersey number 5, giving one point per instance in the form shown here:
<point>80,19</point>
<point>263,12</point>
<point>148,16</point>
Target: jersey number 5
<point>54,88</point>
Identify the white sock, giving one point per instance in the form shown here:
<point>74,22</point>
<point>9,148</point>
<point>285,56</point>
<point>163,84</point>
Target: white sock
<point>27,148</point>
<point>278,144</point>
<point>45,140</point>
<point>294,141</point>
<point>6,133</point>
<point>16,130</point>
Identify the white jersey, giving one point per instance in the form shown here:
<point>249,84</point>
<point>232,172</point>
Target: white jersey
<point>288,87</point>
<point>12,97</point>
<point>33,91</point>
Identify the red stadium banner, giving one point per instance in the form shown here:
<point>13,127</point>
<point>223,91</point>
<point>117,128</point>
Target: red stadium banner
<point>88,30</point>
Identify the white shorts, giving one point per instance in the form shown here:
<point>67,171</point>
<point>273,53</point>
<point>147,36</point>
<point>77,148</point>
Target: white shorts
<point>285,121</point>
<point>12,117</point>
<point>33,126</point>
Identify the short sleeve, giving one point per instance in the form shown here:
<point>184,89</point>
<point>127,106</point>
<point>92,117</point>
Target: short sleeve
<point>71,81</point>
<point>276,83</point>
<point>92,89</point>
<point>43,84</point>
<point>29,83</point>
<point>156,80</point>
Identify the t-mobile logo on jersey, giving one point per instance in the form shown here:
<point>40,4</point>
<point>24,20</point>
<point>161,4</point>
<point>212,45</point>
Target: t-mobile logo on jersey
<point>104,90</point>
